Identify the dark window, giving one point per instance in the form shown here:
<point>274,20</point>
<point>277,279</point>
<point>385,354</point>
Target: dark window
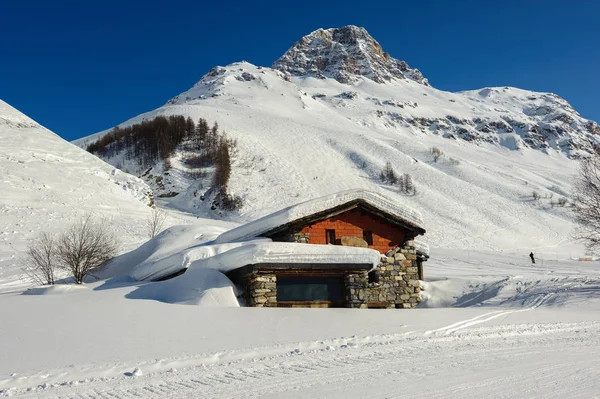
<point>374,277</point>
<point>368,236</point>
<point>309,289</point>
<point>330,236</point>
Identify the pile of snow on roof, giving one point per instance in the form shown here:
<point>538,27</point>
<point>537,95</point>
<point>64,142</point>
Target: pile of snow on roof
<point>304,209</point>
<point>227,257</point>
<point>285,252</point>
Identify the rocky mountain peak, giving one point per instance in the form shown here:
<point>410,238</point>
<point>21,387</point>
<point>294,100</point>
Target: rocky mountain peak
<point>344,54</point>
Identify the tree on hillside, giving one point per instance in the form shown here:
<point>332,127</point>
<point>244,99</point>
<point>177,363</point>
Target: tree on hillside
<point>407,184</point>
<point>586,201</point>
<point>155,222</point>
<point>41,259</point>
<point>389,175</point>
<point>84,247</point>
<point>222,168</point>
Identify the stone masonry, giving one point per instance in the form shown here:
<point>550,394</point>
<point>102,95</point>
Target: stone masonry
<point>302,238</point>
<point>261,290</point>
<point>397,285</point>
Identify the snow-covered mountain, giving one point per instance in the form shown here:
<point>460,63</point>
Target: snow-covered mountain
<point>48,183</point>
<point>335,108</point>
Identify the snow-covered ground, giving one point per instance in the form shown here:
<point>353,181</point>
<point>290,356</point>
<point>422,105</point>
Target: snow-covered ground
<point>506,329</point>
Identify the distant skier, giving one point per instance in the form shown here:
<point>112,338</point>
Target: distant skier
<point>532,258</point>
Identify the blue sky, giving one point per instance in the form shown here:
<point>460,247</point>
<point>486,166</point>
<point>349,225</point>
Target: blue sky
<point>79,67</point>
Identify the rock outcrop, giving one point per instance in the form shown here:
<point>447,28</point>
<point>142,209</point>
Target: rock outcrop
<point>344,54</point>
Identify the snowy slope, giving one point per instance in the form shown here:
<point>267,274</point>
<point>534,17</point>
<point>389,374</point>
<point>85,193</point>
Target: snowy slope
<point>303,135</point>
<point>47,183</point>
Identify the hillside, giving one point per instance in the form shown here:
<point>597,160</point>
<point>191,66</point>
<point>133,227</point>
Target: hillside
<point>335,108</point>
<point>49,183</point>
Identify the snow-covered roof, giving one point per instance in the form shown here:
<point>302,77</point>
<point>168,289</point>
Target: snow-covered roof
<point>288,253</point>
<point>394,208</point>
<point>422,247</point>
<point>228,257</point>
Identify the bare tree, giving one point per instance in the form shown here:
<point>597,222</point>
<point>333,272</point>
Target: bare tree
<point>562,201</point>
<point>586,202</point>
<point>41,259</point>
<point>535,195</point>
<point>84,247</point>
<point>155,222</point>
<point>437,153</point>
<point>409,186</point>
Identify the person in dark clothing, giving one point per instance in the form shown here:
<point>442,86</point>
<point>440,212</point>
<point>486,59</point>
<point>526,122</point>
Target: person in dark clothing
<point>532,258</point>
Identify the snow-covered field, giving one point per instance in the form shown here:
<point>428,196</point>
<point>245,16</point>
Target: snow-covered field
<point>508,329</point>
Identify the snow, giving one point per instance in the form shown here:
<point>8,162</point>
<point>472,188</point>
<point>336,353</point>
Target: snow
<point>294,148</point>
<point>48,183</point>
<point>421,246</point>
<point>164,254</point>
<point>394,207</point>
<point>181,247</point>
<point>198,286</point>
<point>507,327</point>
<point>249,253</point>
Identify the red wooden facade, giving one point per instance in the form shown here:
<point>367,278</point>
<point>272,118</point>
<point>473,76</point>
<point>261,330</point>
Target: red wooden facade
<point>358,223</point>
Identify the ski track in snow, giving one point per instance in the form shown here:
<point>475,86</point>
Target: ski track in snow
<point>352,367</point>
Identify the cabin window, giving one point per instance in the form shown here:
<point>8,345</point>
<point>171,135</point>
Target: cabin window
<point>330,236</point>
<point>374,277</point>
<point>310,289</point>
<point>368,237</point>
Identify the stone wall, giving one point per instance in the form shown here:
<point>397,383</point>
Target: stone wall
<point>355,284</point>
<point>398,285</point>
<point>261,289</point>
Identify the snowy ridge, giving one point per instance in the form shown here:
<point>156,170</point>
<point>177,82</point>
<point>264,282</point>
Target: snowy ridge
<point>48,183</point>
<point>11,117</point>
<point>304,209</point>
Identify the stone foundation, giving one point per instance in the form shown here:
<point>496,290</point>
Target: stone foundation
<point>397,285</point>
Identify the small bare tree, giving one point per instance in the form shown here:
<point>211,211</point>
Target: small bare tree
<point>586,201</point>
<point>41,259</point>
<point>562,201</point>
<point>535,195</point>
<point>84,247</point>
<point>437,153</point>
<point>155,222</point>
